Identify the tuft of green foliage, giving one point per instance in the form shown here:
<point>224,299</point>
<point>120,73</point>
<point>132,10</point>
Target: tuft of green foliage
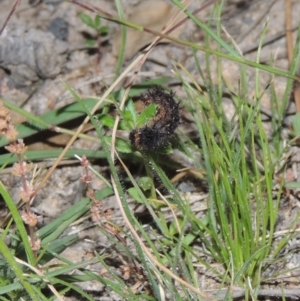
<point>95,24</point>
<point>18,276</point>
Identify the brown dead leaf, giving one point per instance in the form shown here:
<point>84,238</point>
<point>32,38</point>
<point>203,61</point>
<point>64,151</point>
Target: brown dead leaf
<point>152,14</point>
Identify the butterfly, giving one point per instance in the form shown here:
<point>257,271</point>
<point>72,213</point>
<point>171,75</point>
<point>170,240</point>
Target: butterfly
<point>158,131</point>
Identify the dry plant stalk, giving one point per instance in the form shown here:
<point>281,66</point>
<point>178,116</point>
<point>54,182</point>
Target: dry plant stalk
<point>20,169</point>
<point>97,213</point>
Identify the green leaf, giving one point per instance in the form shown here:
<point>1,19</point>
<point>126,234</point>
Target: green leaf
<point>57,246</point>
<point>53,230</point>
<point>188,239</point>
<point>296,124</point>
<point>104,193</point>
<point>123,125</point>
<point>103,30</point>
<point>87,20</point>
<point>292,185</point>
<point>145,183</point>
<point>122,145</point>
<point>134,194</point>
<point>166,150</point>
<point>129,114</point>
<point>146,115</point>
<point>10,288</point>
<point>107,120</point>
<point>90,43</point>
<point>173,228</point>
<point>97,21</point>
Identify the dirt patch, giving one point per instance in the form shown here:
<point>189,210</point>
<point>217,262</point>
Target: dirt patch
<point>44,46</point>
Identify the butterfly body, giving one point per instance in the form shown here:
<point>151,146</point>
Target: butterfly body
<point>158,131</point>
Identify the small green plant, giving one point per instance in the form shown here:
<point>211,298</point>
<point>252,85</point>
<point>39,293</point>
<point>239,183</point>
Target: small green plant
<point>95,24</point>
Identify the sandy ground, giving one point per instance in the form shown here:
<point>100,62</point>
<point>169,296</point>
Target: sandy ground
<point>44,45</point>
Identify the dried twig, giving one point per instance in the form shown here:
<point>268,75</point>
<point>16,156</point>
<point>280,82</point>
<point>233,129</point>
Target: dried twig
<point>9,16</point>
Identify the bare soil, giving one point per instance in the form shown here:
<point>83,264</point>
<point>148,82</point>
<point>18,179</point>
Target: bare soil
<point>43,46</point>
